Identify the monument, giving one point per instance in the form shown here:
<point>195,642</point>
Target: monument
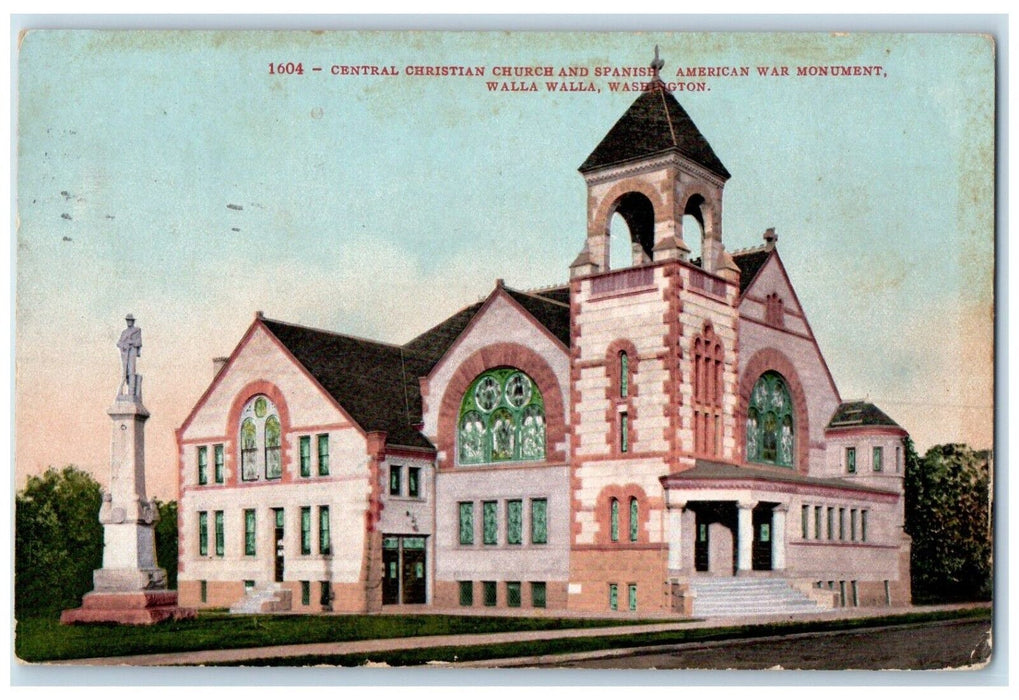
<point>130,588</point>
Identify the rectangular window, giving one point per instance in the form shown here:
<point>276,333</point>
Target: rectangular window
<point>323,455</point>
<point>624,432</point>
<point>514,521</point>
<point>831,523</point>
<point>490,522</point>
<point>466,523</point>
<point>466,593</point>
<point>852,524</point>
<point>394,479</point>
<point>249,585</point>
<point>539,521</point>
<point>631,592</point>
<point>203,533</point>
<point>817,522</point>
<point>204,591</point>
<point>305,592</point>
<point>805,521</point>
<point>220,536</point>
<point>856,595</point>
<point>851,460</point>
<point>863,526</point>
<point>613,597</point>
<point>324,543</point>
<point>842,523</point>
<point>488,591</point>
<point>513,594</point>
<point>203,465</point>
<point>249,532</point>
<point>879,458</point>
<point>217,452</point>
<point>538,594</point>
<point>414,482</point>
<point>305,530</point>
<point>305,443</point>
<point>898,460</point>
<point>325,593</point>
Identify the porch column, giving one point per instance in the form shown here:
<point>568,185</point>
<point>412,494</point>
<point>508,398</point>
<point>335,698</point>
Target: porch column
<point>778,537</point>
<point>676,534</point>
<point>745,535</point>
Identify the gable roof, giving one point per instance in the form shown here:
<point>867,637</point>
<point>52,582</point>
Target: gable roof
<point>854,414</point>
<point>750,263</point>
<point>433,343</point>
<point>560,294</point>
<point>554,315</point>
<point>376,383</point>
<point>655,123</point>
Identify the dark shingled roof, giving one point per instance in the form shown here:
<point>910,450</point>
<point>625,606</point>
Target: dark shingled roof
<point>554,315</point>
<point>376,383</point>
<point>654,123</point>
<point>560,294</point>
<point>749,263</point>
<point>706,469</point>
<point>853,414</point>
<point>433,343</point>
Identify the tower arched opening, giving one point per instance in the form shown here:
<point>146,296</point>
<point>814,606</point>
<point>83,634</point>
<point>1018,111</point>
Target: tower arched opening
<point>693,228</point>
<point>634,244</point>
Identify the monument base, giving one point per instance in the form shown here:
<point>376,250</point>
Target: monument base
<point>127,608</point>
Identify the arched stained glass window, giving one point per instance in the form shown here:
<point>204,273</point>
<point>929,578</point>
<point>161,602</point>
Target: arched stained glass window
<point>502,419</point>
<point>634,519</point>
<point>624,375</point>
<point>771,426</point>
<point>614,519</point>
<point>260,440</point>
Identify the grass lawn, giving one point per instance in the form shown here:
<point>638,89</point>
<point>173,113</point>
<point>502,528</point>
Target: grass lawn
<point>45,639</point>
<point>413,657</point>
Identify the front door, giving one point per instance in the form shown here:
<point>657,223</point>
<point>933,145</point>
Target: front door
<point>413,576</point>
<point>391,575</point>
<point>404,579</point>
<point>278,542</point>
<point>761,554</point>
<point>700,550</point>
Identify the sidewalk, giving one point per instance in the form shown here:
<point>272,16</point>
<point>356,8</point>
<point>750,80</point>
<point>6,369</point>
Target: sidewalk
<point>198,658</point>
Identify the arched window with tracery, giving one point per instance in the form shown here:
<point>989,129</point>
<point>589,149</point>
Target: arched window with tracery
<point>771,425</point>
<point>260,426</point>
<point>709,360</point>
<point>502,418</point>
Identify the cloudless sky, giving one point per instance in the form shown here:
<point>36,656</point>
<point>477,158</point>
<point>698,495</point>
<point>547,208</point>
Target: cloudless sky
<point>169,175</point>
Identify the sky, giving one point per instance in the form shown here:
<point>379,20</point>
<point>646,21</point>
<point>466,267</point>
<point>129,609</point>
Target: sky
<point>172,176</point>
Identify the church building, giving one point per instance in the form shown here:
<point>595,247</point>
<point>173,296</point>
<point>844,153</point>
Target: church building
<point>661,435</point>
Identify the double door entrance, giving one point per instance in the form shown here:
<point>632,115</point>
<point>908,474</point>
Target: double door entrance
<point>405,570</point>
<point>722,519</point>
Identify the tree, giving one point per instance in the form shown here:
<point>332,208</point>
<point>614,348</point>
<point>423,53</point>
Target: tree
<point>948,517</point>
<point>166,540</point>
<point>58,541</point>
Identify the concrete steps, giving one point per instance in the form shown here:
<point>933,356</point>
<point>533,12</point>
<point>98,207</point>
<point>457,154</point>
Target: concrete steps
<point>738,597</point>
<point>267,598</point>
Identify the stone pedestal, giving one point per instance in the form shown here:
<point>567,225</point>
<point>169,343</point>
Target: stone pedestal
<point>130,588</point>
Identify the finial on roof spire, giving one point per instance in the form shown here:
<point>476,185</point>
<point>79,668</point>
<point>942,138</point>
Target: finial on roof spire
<point>657,64</point>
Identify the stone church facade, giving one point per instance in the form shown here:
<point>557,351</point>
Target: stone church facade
<point>619,442</point>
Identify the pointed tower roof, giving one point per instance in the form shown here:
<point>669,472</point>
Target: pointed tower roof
<point>655,123</point>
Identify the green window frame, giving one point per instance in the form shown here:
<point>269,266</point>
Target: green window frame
<point>413,482</point>
<point>624,375</point>
<point>634,519</point>
<point>488,591</point>
<point>203,591</point>
<point>220,534</point>
<point>203,465</point>
<point>323,455</point>
<point>771,423</point>
<point>305,530</point>
<point>273,451</point>
<point>249,532</point>
<point>831,523</point>
<point>203,533</point>
<point>624,432</point>
<point>842,524</point>
<point>513,594</point>
<point>217,455</point>
<point>305,592</point>
<point>502,419</point>
<point>614,519</point>
<point>851,460</point>
<point>490,522</point>
<point>539,521</point>
<point>305,449</point>
<point>817,522</point>
<point>805,521</point>
<point>863,525</point>
<point>466,593</point>
<point>514,521</point>
<point>852,524</point>
<point>325,545</point>
<point>631,596</point>
<point>613,596</point>
<point>466,522</point>
<point>539,594</point>
<point>878,458</point>
<point>395,479</point>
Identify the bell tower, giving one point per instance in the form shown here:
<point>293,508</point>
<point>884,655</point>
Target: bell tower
<point>653,168</point>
